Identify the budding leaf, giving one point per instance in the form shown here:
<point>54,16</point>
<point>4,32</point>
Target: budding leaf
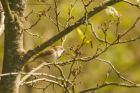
<point>81,34</point>
<point>112,11</point>
<point>88,41</point>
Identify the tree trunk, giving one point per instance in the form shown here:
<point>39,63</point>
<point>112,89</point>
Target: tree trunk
<point>13,44</point>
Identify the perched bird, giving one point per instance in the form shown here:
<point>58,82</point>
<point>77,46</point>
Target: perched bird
<point>2,17</point>
<point>48,56</point>
<point>51,55</point>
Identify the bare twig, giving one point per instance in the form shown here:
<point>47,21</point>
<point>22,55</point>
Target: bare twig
<point>106,84</point>
<point>116,71</point>
<point>132,4</point>
<point>33,25</point>
<point>34,70</point>
<point>63,76</point>
<point>42,79</point>
<point>130,29</point>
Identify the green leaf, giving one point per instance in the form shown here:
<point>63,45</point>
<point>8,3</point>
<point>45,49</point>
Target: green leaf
<point>88,41</point>
<point>80,34</point>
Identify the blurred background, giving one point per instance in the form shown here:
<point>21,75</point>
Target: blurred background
<point>125,57</point>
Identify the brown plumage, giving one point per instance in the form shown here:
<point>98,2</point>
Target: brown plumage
<point>51,55</point>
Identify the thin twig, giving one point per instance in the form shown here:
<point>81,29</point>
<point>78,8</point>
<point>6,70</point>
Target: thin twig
<point>106,84</point>
<point>116,71</point>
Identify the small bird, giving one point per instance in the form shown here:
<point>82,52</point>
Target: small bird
<point>48,56</point>
<point>51,55</point>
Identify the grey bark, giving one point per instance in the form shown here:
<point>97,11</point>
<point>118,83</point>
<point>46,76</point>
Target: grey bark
<point>13,44</point>
<point>2,17</point>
